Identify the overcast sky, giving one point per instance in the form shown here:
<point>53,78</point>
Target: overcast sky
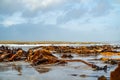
<point>60,20</point>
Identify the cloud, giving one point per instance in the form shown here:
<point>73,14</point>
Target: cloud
<point>88,22</point>
<point>38,4</point>
<point>8,7</point>
<point>101,8</point>
<point>14,19</point>
<point>83,8</point>
<point>48,18</point>
<point>64,12</point>
<point>27,6</point>
<point>61,19</point>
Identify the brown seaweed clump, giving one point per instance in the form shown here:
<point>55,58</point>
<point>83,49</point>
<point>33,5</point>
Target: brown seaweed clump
<point>102,78</point>
<point>115,75</point>
<point>66,56</point>
<point>18,55</point>
<point>41,57</point>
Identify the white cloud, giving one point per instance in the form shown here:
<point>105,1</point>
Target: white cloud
<point>14,19</point>
<point>89,23</point>
<point>47,18</point>
<point>36,4</point>
<point>83,26</point>
<point>71,11</point>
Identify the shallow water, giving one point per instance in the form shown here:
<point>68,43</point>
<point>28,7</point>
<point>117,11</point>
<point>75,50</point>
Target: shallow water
<point>24,71</point>
<point>17,71</point>
<point>71,71</point>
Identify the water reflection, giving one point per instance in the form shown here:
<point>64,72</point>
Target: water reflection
<point>3,68</point>
<point>18,68</point>
<point>50,72</point>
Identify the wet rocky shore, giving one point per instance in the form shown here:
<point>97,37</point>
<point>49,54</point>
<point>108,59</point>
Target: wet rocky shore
<point>97,59</point>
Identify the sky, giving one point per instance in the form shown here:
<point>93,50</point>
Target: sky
<point>60,20</point>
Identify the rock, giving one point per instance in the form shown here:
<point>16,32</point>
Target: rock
<point>115,75</point>
<point>102,78</point>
